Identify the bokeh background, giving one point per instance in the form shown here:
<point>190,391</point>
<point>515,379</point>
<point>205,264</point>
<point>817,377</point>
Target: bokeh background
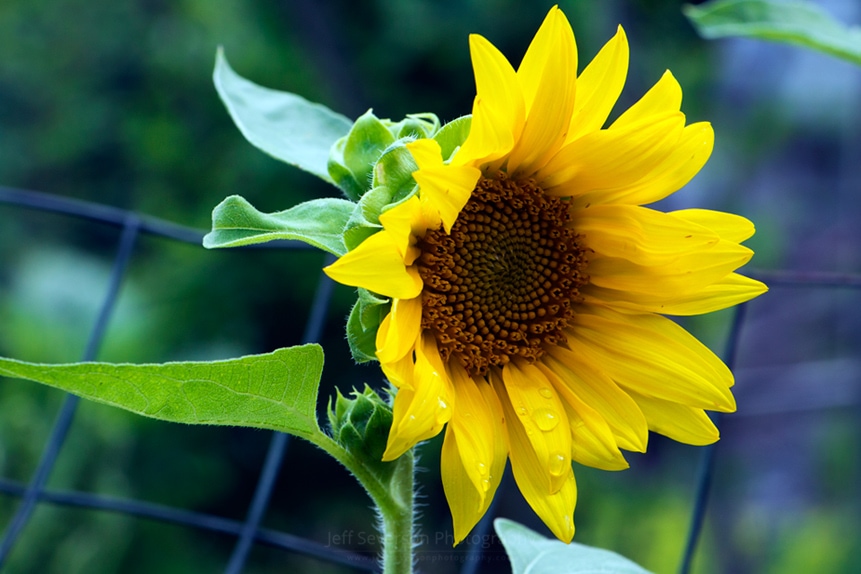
<point>113,102</point>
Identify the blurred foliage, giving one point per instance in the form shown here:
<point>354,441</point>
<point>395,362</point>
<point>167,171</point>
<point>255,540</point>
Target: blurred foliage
<point>113,102</point>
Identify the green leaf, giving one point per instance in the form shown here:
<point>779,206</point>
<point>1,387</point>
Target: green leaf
<point>284,125</point>
<point>798,23</point>
<point>275,391</point>
<point>363,323</point>
<point>533,553</point>
<point>319,222</point>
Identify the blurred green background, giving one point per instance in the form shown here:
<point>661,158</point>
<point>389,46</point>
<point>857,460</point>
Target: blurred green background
<point>113,102</point>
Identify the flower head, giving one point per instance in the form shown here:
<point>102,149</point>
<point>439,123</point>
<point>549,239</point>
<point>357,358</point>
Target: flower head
<point>528,282</point>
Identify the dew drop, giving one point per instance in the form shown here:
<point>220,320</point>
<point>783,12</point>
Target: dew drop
<point>557,464</point>
<point>482,469</point>
<point>442,411</point>
<point>545,392</point>
<point>521,411</point>
<point>545,419</point>
<point>485,484</point>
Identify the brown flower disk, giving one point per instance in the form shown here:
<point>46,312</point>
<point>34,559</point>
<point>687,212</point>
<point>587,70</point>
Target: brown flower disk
<point>502,284</point>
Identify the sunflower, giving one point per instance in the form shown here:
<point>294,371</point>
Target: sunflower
<point>528,283</point>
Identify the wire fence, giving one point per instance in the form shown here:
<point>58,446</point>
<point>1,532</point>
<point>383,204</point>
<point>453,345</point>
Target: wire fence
<point>249,532</point>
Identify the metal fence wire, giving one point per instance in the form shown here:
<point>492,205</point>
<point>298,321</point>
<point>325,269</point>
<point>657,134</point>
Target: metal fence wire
<point>249,532</point>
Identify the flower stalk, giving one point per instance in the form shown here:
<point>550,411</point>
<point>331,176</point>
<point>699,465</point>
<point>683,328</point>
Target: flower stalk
<point>360,427</point>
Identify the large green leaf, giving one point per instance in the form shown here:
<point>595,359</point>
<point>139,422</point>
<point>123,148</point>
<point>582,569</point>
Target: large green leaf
<point>275,391</point>
<point>284,125</point>
<point>530,552</point>
<point>799,23</point>
<point>319,222</point>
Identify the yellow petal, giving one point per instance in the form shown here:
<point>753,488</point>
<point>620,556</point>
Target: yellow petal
<point>665,96</point>
<point>599,86</point>
<point>653,356</point>
<point>600,392</point>
<point>608,159</point>
<point>498,112</point>
<point>474,422</point>
<point>445,189</point>
<point>689,273</point>
<point>541,414</point>
<point>728,226</point>
<point>377,265</point>
<point>474,452</point>
<point>556,509</point>
<point>547,77</point>
<point>678,422</point>
<point>400,373</point>
<point>592,441</point>
<point>402,223</point>
<point>644,236</point>
<point>399,330</point>
<point>731,290</point>
<point>420,413</point>
<point>679,167</point>
<point>426,153</point>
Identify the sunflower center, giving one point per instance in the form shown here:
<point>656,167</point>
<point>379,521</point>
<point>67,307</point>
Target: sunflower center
<point>501,285</point>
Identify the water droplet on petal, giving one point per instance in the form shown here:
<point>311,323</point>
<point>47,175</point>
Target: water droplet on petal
<point>442,411</point>
<point>521,411</point>
<point>558,464</point>
<point>482,469</point>
<point>545,392</point>
<point>545,419</point>
<point>485,484</point>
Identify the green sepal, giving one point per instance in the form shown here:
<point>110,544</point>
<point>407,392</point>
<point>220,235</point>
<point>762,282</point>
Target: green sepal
<point>530,552</point>
<point>452,135</point>
<point>365,220</point>
<point>361,425</point>
<point>339,173</point>
<point>363,324</point>
<point>373,148</point>
<point>275,391</point>
<point>319,222</point>
<point>284,125</point>
<point>416,126</point>
<point>364,145</point>
<point>393,175</point>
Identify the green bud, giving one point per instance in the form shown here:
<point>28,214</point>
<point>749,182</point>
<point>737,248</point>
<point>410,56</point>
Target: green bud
<point>361,425</point>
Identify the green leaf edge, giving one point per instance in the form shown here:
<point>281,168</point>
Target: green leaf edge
<point>840,41</point>
<point>223,236</point>
<point>520,541</point>
<point>52,375</point>
<point>223,71</point>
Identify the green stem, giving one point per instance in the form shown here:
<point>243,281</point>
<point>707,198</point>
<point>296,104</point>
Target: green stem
<point>394,500</point>
<point>398,519</point>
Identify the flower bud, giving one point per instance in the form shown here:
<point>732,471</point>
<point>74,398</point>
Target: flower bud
<point>361,425</point>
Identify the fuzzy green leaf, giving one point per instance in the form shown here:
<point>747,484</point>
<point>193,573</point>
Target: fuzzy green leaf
<point>800,23</point>
<point>275,391</point>
<point>319,222</point>
<point>530,552</point>
<point>284,125</point>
